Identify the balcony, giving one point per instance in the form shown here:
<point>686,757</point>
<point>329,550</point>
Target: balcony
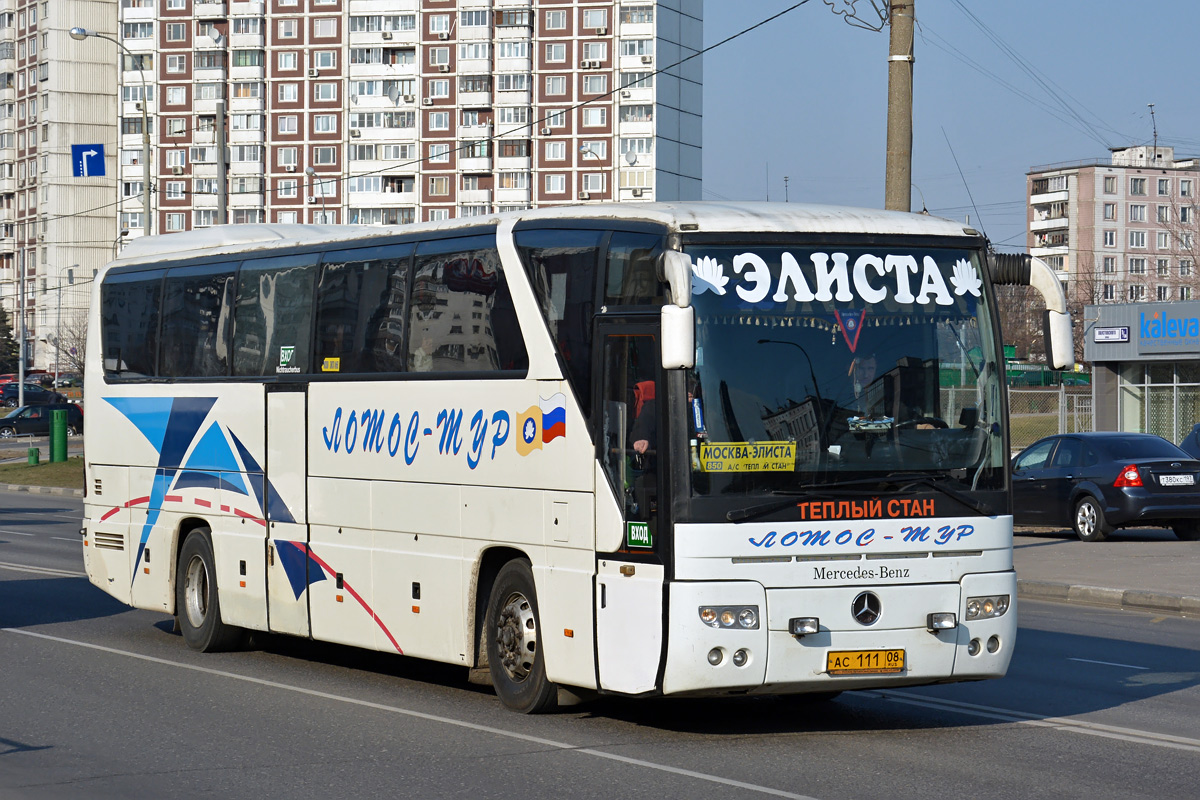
<point>509,196</point>
<point>209,11</point>
<point>475,164</point>
<point>1048,224</point>
<point>246,41</point>
<point>513,164</point>
<point>1049,197</point>
<point>475,99</point>
<point>476,196</point>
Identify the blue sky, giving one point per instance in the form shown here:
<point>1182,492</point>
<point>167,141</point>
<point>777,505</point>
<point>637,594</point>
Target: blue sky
<point>806,97</point>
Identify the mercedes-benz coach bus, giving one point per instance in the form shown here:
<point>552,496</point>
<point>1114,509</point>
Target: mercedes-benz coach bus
<point>654,449</point>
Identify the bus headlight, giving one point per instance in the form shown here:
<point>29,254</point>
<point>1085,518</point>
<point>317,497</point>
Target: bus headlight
<point>744,617</point>
<point>987,607</point>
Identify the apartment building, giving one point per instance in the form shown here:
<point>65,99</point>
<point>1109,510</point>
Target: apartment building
<point>1118,231</point>
<point>55,228</point>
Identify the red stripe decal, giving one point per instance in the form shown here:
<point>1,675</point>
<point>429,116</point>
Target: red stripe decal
<point>246,515</point>
<point>356,596</point>
<point>225,508</point>
<point>201,503</point>
<point>173,498</point>
<point>109,513</point>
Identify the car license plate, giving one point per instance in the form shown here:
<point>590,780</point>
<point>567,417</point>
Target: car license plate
<point>864,662</point>
<point>1177,480</point>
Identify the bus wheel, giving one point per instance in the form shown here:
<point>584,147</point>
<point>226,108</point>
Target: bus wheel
<point>197,606</point>
<point>515,658</point>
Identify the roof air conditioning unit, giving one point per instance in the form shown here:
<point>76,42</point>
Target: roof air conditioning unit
<point>289,168</point>
<point>585,195</point>
<point>408,98</point>
<point>428,101</point>
<point>637,192</point>
<point>177,170</point>
<point>545,131</point>
<point>443,36</point>
<point>647,59</point>
<point>355,133</point>
<point>312,73</point>
<point>443,67</point>
<point>387,36</point>
<point>602,31</point>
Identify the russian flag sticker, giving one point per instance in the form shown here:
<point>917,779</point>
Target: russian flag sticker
<point>554,416</point>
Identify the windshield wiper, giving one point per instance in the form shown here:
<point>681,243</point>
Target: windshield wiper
<point>939,484</point>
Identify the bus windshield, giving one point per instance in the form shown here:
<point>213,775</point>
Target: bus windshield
<point>830,364</point>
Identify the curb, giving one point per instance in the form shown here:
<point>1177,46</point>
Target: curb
<point>55,490</point>
<point>1130,599</point>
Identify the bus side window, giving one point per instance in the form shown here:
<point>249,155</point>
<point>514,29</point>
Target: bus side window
<point>197,316</point>
<point>561,265</point>
<point>632,275</point>
<point>273,316</point>
<point>129,314</point>
<point>360,316</point>
<point>462,317</point>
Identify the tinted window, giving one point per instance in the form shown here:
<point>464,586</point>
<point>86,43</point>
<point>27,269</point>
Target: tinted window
<point>273,316</point>
<point>197,316</point>
<point>1068,454</point>
<point>462,313</point>
<point>1035,457</point>
<point>632,274</point>
<point>360,314</point>
<point>561,266</point>
<point>129,323</point>
<point>1132,447</point>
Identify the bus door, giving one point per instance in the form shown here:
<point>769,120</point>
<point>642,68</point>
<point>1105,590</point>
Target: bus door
<point>629,581</point>
<point>286,501</point>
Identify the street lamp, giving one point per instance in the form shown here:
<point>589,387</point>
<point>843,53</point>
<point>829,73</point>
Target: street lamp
<point>79,34</point>
<point>312,173</point>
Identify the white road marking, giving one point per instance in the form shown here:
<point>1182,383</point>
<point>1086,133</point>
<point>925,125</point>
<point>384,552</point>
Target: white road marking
<point>1107,663</point>
<point>16,533</point>
<point>42,570</point>
<point>1039,720</point>
<point>74,539</point>
<point>428,717</point>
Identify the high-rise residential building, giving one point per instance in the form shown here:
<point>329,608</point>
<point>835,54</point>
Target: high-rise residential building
<point>1122,230</point>
<point>56,212</point>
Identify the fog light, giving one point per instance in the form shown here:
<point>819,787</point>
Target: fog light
<point>727,617</point>
<point>745,617</point>
<point>972,648</point>
<point>740,657</point>
<point>715,655</point>
<point>802,626</point>
<point>748,618</point>
<point>987,607</point>
<point>993,644</point>
<point>708,615</point>
<point>940,621</point>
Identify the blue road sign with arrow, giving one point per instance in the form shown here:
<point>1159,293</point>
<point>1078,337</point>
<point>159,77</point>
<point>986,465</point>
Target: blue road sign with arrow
<point>87,160</point>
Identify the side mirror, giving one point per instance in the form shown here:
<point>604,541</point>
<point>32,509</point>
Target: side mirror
<point>675,269</point>
<point>1060,347</point>
<point>678,337</point>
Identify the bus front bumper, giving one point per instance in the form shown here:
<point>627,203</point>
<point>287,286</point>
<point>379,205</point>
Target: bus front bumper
<point>713,659</point>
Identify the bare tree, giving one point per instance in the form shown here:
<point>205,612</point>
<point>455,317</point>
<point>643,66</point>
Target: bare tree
<point>73,341</point>
<point>1021,320</point>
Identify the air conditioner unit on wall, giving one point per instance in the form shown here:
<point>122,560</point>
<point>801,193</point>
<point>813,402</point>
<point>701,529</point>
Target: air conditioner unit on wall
<point>176,170</point>
<point>387,35</point>
<point>443,67</point>
<point>601,31</point>
<point>355,133</point>
<point>637,192</point>
<point>313,72</point>
<point>647,59</point>
<point>289,168</point>
<point>408,98</point>
<point>428,101</point>
<point>545,131</point>
<point>443,36</point>
<point>585,195</point>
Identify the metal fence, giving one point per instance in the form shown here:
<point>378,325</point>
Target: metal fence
<point>1034,413</point>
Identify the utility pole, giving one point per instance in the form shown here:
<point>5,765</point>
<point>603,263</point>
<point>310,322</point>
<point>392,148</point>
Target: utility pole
<point>222,167</point>
<point>898,179</point>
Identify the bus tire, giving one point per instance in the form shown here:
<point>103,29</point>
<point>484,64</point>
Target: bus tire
<point>515,658</point>
<point>197,601</point>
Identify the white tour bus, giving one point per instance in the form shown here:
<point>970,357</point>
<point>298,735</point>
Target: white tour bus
<point>654,449</point>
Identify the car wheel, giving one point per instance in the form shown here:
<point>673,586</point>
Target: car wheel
<point>11,403</point>
<point>1187,530</point>
<point>516,660</point>
<point>7,433</point>
<point>72,430</point>
<point>1089,521</point>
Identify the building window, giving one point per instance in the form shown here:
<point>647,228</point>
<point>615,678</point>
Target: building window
<point>176,126</point>
<point>1185,187</point>
<point>512,49</point>
<point>637,47</point>
<point>1163,213</point>
<point>248,58</point>
<point>512,180</point>
<point>1110,238</point>
<point>439,185</point>
<point>439,88</point>
<point>1185,293</point>
<point>176,95</point>
<point>643,112</point>
<point>439,23</point>
<point>325,92</point>
<point>633,15</point>
<point>288,92</point>
<point>1163,266</point>
<point>176,64</point>
<point>556,151</point>
<point>475,51</point>
<point>325,59</point>
<point>637,80</point>
<point>1137,266</point>
<point>556,52</point>
<point>473,19</point>
<point>288,61</point>
<point>287,187</point>
<point>204,217</point>
<point>286,29</point>
<point>288,125</point>
<point>556,20</point>
<point>595,84</point>
<point>593,182</point>
<point>285,217</point>
<point>325,155</point>
<point>556,184</point>
<point>325,28</point>
<point>1110,263</point>
<point>176,31</point>
<point>439,154</point>
<point>595,18</point>
<point>1137,292</point>
<point>286,156</point>
<point>1137,212</point>
<point>1137,239</point>
<point>439,56</point>
<point>594,117</point>
<point>555,119</point>
<point>1185,267</point>
<point>176,221</point>
<point>439,120</point>
<point>1137,186</point>
<point>1110,292</point>
<point>1164,188</point>
<point>1185,214</point>
<point>594,147</point>
<point>1110,211</point>
<point>595,51</point>
<point>556,84</point>
<point>1110,184</point>
<point>175,190</point>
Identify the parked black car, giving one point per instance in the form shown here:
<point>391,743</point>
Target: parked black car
<point>35,420</point>
<point>1096,482</point>
<point>34,395</point>
<point>1191,442</point>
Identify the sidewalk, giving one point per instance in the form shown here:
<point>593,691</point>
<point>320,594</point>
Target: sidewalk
<point>1145,569</point>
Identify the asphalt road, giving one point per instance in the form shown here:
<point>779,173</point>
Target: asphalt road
<point>98,701</point>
